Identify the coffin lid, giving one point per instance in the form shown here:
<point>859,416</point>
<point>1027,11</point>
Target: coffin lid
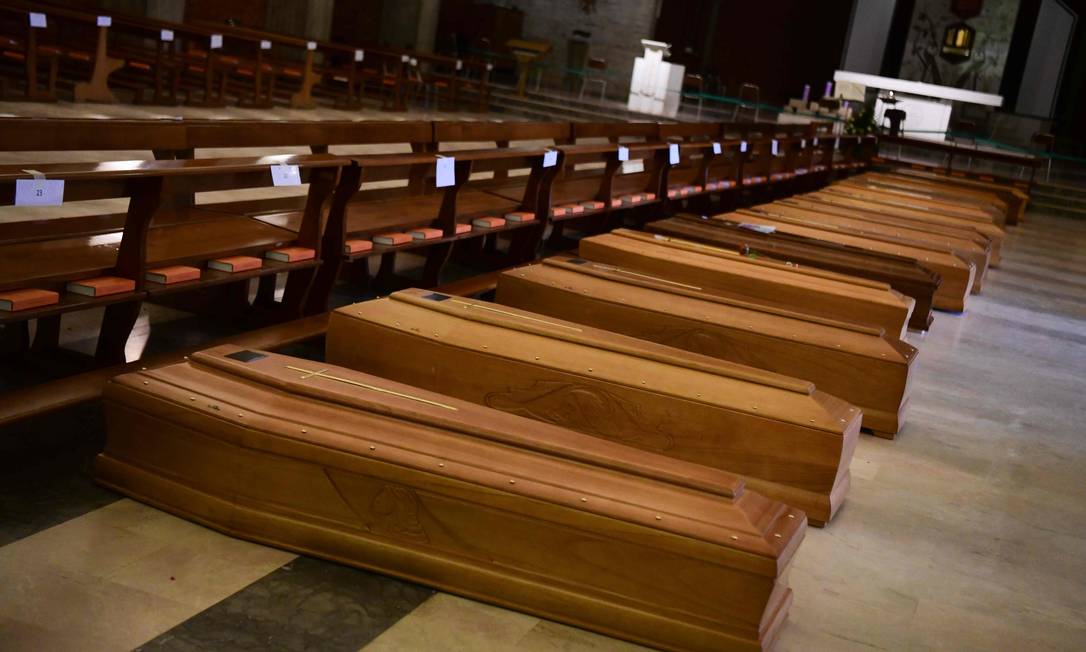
<point>785,221</point>
<point>430,408</point>
<point>527,322</point>
<point>903,266</point>
<point>889,198</point>
<point>938,237</point>
<point>829,205</point>
<point>639,279</point>
<point>607,283</point>
<point>720,252</point>
<point>679,497</point>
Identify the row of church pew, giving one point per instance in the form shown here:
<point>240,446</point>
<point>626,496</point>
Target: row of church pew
<point>630,436</point>
<point>564,176</point>
<point>46,45</point>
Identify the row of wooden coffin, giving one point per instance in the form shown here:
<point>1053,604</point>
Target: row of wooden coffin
<point>955,233</point>
<point>660,502</point>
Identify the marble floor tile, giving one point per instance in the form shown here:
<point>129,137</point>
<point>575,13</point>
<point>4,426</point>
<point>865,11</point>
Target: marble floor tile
<point>121,575</point>
<point>447,622</point>
<point>308,604</point>
<point>549,636</point>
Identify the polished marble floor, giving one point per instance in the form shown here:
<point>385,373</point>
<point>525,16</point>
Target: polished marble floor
<point>968,532</point>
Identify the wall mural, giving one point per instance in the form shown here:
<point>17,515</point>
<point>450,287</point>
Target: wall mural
<point>983,71</point>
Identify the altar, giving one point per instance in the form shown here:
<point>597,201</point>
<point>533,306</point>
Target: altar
<point>927,107</point>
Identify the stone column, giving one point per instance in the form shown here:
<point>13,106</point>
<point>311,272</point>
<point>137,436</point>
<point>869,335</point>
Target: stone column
<point>426,34</point>
<point>318,19</point>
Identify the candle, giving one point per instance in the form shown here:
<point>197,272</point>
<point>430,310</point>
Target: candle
<point>829,90</point>
<point>806,93</point>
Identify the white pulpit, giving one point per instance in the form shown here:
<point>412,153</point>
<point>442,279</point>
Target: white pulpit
<point>656,85</point>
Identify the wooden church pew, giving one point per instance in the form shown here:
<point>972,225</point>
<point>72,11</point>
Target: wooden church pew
<point>450,213</point>
<point>155,233</point>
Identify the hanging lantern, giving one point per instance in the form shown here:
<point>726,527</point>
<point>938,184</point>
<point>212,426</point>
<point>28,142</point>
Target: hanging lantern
<point>958,38</point>
<point>958,42</point>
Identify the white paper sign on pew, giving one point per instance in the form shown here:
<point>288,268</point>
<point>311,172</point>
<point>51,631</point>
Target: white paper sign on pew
<point>311,45</point>
<point>359,55</point>
<point>716,148</point>
<point>37,20</point>
<point>743,146</point>
<point>105,21</point>
<point>774,147</point>
<point>216,42</point>
<point>623,153</point>
<point>446,171</point>
<point>166,35</point>
<point>265,45</point>
<point>39,191</point>
<point>286,175</point>
<point>550,158</point>
<point>673,153</point>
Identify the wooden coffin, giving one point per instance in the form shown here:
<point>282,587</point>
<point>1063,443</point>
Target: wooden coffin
<point>951,206</point>
<point>903,274</point>
<point>860,364</point>
<point>957,274</point>
<point>1015,199</point>
<point>804,289</point>
<point>869,225</point>
<point>364,471</point>
<point>897,208</point>
<point>788,440</point>
<point>965,233</point>
<point>991,203</point>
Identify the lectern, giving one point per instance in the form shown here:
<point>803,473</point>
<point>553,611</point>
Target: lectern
<point>656,85</point>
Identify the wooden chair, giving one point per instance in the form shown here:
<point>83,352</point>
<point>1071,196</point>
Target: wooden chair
<point>595,73</point>
<point>1043,143</point>
<point>746,110</point>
